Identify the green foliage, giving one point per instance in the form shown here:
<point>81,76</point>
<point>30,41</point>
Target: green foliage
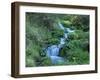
<point>42,31</point>
<point>79,56</point>
<point>76,49</point>
<point>72,36</point>
<point>55,36</point>
<point>30,62</point>
<point>57,33</point>
<point>46,62</point>
<point>75,55</point>
<point>53,41</point>
<point>66,23</point>
<point>81,22</point>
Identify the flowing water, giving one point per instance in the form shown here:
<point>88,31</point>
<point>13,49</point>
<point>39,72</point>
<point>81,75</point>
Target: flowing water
<point>53,50</point>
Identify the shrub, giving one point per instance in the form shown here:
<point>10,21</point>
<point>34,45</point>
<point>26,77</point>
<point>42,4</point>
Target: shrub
<point>72,36</point>
<point>66,23</point>
<point>56,33</point>
<point>78,34</point>
<point>78,56</point>
<point>53,41</point>
<point>30,62</point>
<point>46,61</point>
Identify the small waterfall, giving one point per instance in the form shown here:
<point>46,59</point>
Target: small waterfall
<point>53,50</point>
<point>61,26</point>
